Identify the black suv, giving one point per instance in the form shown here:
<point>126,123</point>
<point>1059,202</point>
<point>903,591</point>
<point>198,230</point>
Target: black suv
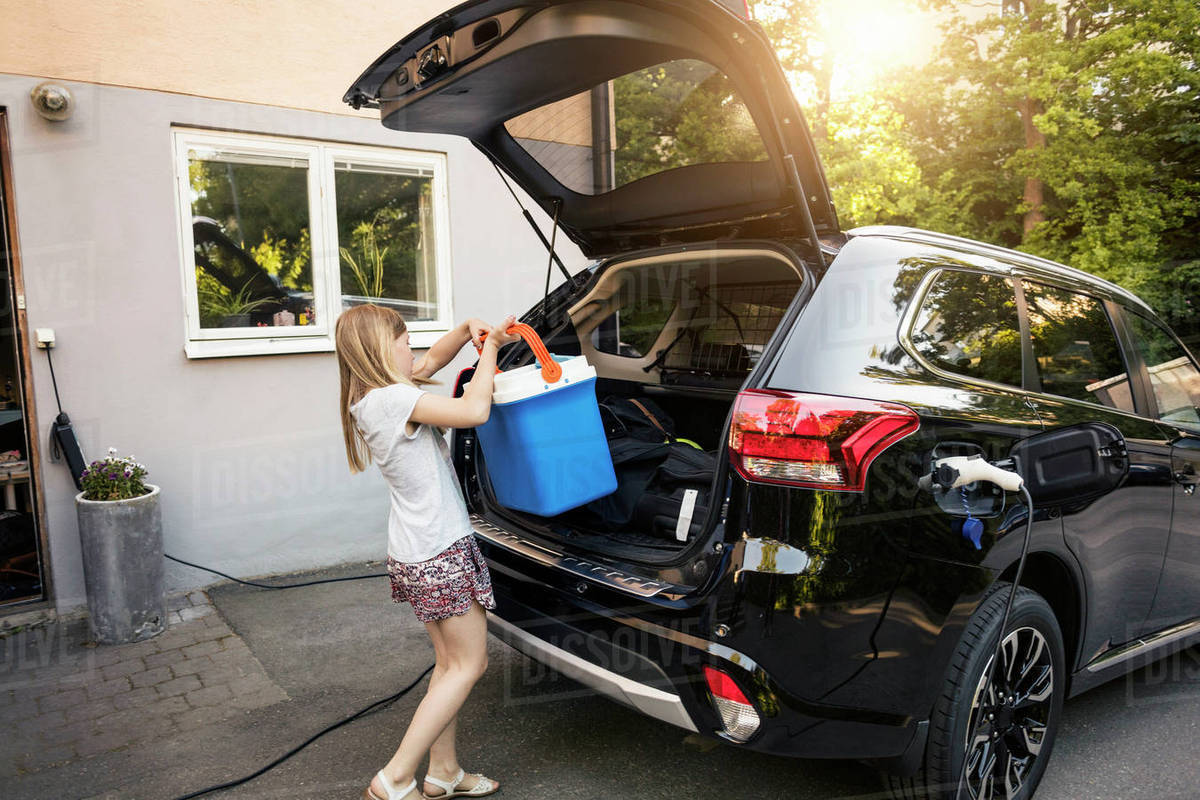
<point>773,571</point>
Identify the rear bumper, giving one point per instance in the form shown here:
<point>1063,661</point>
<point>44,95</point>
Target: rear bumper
<point>647,654</point>
<point>651,701</point>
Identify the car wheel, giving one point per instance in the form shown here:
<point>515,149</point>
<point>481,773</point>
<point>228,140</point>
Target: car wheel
<point>1005,729</point>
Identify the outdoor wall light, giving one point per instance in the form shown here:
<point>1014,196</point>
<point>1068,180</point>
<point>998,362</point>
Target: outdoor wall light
<point>52,101</point>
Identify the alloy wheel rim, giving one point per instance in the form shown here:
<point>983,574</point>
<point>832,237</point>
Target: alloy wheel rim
<point>1009,717</point>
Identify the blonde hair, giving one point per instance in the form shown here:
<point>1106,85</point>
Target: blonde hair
<point>363,339</point>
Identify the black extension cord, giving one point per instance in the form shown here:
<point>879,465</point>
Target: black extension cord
<point>378,704</point>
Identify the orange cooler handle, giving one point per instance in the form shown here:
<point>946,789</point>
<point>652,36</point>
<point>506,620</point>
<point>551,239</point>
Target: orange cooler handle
<point>551,370</point>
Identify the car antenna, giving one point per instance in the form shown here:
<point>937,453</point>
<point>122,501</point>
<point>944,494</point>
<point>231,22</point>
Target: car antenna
<point>554,259</point>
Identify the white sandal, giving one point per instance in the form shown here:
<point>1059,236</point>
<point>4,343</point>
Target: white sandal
<point>392,794</point>
<point>484,786</point>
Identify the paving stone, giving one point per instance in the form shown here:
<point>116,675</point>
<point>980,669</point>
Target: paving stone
<point>65,734</point>
<point>93,709</point>
<point>104,657</point>
<point>122,668</point>
<point>199,598</point>
<point>216,621</point>
<point>196,612</point>
<point>185,634</point>
<point>135,698</point>
<point>61,700</point>
<point>173,618</point>
<point>96,691</point>
<point>137,723</point>
<point>139,648</point>
<point>202,649</point>
<point>226,672</point>
<point>180,685</point>
<point>208,696</point>
<point>164,659</point>
<point>150,677</point>
<point>40,722</point>
<point>191,666</point>
<point>175,602</point>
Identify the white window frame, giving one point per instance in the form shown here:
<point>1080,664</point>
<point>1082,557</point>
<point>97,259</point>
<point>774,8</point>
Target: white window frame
<point>322,208</point>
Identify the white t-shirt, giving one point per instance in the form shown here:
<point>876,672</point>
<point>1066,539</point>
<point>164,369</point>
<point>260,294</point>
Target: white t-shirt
<point>427,509</point>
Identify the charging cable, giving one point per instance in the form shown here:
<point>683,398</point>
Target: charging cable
<point>953,472</point>
<point>377,705</point>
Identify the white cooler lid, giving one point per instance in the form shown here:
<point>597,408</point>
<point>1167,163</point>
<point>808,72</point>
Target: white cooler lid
<point>524,382</point>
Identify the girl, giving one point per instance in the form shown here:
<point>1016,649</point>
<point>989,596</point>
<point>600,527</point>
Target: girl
<point>433,560</point>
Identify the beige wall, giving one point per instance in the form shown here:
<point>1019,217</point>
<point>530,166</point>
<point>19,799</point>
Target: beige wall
<point>568,121</point>
<point>292,53</point>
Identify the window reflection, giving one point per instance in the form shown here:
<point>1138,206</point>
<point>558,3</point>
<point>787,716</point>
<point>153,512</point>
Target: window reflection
<point>1173,377</point>
<point>968,326</point>
<point>1075,348</point>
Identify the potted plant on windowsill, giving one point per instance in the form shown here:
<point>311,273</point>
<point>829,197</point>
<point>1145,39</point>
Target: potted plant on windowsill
<point>120,533</point>
<point>229,310</point>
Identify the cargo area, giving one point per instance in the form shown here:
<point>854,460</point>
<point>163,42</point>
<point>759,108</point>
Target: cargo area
<point>672,338</point>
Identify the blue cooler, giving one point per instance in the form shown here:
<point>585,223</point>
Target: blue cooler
<point>544,443</point>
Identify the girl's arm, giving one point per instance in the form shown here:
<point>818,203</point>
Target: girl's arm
<point>447,347</point>
<point>475,405</point>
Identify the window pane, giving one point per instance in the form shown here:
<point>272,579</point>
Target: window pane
<point>1173,376</point>
<point>250,229</point>
<point>644,302</point>
<point>669,115</point>
<point>968,326</point>
<point>721,315</point>
<point>386,238</point>
<point>1075,347</point>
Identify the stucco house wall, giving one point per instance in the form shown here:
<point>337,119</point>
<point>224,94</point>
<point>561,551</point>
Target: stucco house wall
<point>248,449</point>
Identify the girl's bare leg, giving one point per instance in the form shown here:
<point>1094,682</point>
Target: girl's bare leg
<point>443,758</point>
<point>464,659</point>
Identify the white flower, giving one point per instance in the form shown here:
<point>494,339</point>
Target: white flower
<point>112,451</point>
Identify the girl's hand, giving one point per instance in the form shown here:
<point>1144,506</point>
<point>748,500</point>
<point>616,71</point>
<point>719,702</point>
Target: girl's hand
<point>476,328</point>
<point>500,335</point>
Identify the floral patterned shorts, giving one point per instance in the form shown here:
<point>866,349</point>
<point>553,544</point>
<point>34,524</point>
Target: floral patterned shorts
<point>445,585</point>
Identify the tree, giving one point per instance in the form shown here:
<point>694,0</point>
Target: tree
<point>1085,118</point>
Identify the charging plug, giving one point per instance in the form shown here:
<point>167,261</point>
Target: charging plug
<point>954,471</point>
<point>45,338</point>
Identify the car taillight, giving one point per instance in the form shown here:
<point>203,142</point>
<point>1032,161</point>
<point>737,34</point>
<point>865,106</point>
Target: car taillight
<point>812,440</point>
<point>738,716</point>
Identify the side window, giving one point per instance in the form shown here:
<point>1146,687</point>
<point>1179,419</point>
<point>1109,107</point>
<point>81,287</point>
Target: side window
<point>1075,348</point>
<point>644,300</point>
<point>968,325</point>
<point>1173,376</point>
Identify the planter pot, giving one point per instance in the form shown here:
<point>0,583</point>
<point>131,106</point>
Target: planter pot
<point>235,321</point>
<point>123,566</point>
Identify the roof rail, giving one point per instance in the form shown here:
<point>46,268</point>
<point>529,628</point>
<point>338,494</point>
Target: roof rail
<point>983,248</point>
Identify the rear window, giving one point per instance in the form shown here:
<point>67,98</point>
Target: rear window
<point>697,317</point>
<point>670,115</point>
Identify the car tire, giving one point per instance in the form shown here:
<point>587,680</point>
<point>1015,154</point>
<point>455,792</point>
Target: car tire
<point>1019,735</point>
